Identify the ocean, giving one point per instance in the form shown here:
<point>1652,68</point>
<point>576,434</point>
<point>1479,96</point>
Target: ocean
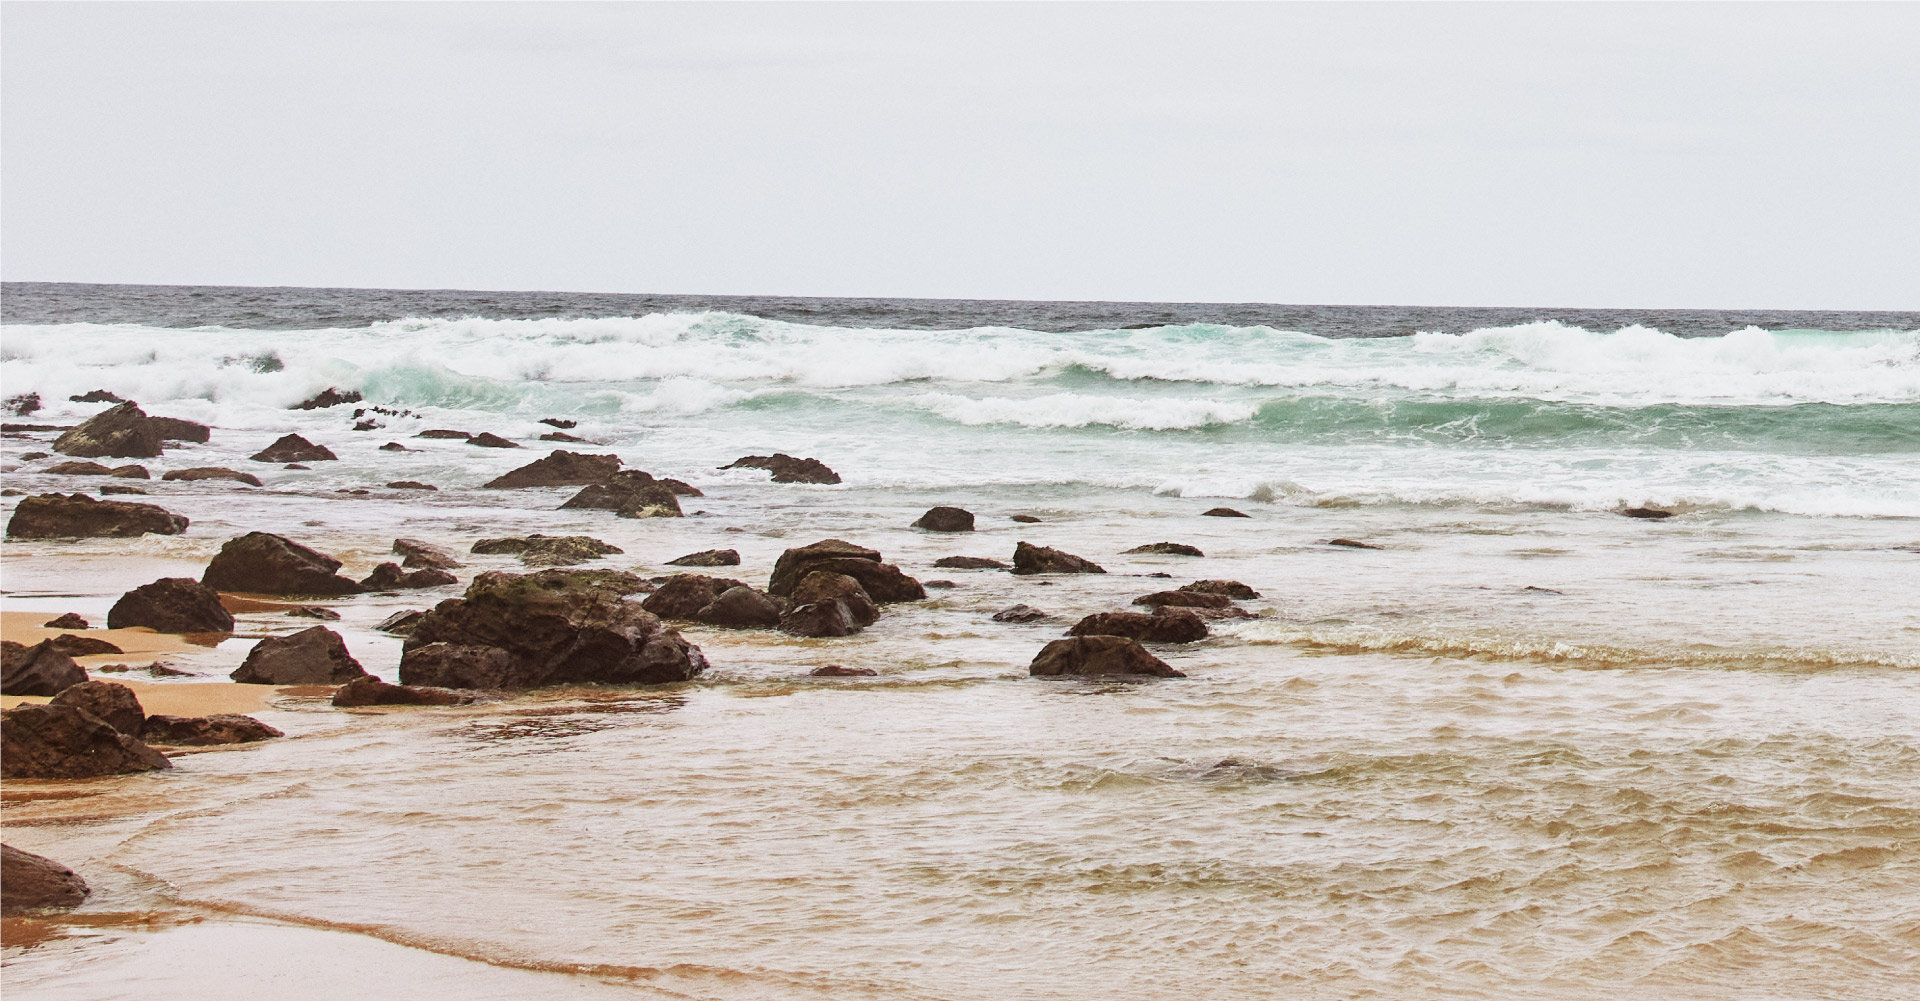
<point>1527,747</point>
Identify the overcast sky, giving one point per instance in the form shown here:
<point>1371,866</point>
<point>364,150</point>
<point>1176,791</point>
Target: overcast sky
<point>1715,155</point>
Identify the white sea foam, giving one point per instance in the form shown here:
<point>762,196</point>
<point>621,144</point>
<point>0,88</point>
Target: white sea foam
<point>1075,410</point>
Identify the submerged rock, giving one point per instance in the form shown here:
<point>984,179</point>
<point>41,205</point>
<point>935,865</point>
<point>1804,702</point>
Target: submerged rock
<point>171,605</point>
<point>1098,655</point>
<point>30,882</point>
<point>1223,512</point>
<point>1184,599</point>
<point>1025,519</point>
<point>836,671</point>
<point>708,558</point>
<point>394,446</point>
<point>444,433</point>
<point>329,397</point>
<point>114,704</point>
<point>62,742</point>
<point>264,563</point>
<point>112,489</point>
<point>741,607</point>
<point>1019,613</point>
<point>206,731</point>
<point>77,516</point>
<point>969,563</point>
<point>1649,513</point>
<point>1164,549</point>
<point>410,485</point>
<point>786,468</point>
<point>1179,626</point>
<point>212,473</point>
<point>1231,588</point>
<point>371,691</point>
<point>562,437</point>
<point>547,550</point>
<point>389,577</point>
<point>424,555</point>
<point>1351,544</point>
<point>122,432</point>
<point>946,519</point>
<point>487,439</point>
<point>1031,559</point>
<point>313,656</point>
<point>40,669</point>
<point>559,469</point>
<point>293,448</point>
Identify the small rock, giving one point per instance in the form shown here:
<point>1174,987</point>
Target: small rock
<point>946,519</point>
<point>424,556</point>
<point>77,516</point>
<point>1350,544</point>
<point>67,620</point>
<point>130,472</point>
<point>293,448</point>
<point>708,558</point>
<point>82,646</point>
<point>564,425</point>
<point>24,405</point>
<point>61,742</point>
<point>1019,613</point>
<point>741,608</point>
<point>212,473</point>
<point>313,612</point>
<point>547,550</point>
<point>968,563</point>
<point>488,439</point>
<point>444,433</point>
<point>681,487</point>
<point>206,731</point>
<point>1542,590</point>
<point>329,397</point>
<point>371,691</point>
<point>559,469</point>
<point>171,605</point>
<point>1649,513</point>
<point>30,882</point>
<point>1181,626</point>
<point>33,456</point>
<point>836,671</point>
<point>787,469</point>
<point>77,469</point>
<point>295,465</point>
<point>313,656</point>
<point>1098,655</point>
<point>114,704</point>
<point>389,577</point>
<point>410,485</point>
<point>96,396</point>
<point>394,446</point>
<point>942,584</point>
<point>1223,512</point>
<point>1025,519</point>
<point>1231,588</point>
<point>561,436</point>
<point>110,488</point>
<point>1164,549</point>
<point>40,669</point>
<point>1031,559</point>
<point>1184,599</point>
<point>401,623</point>
<point>264,563</point>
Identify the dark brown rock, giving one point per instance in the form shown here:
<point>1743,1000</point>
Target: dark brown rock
<point>112,489</point>
<point>1223,512</point>
<point>547,550</point>
<point>465,665</point>
<point>394,446</point>
<point>487,439</point>
<point>611,493</point>
<point>1098,655</point>
<point>97,396</point>
<point>559,469</point>
<point>741,608</point>
<point>61,742</point>
<point>708,558</point>
<point>1025,519</point>
<point>131,473</point>
<point>68,620</point>
<point>329,397</point>
<point>1184,599</point>
<point>969,563</point>
<point>77,516</point>
<point>82,646</point>
<point>371,691</point>
<point>33,456</point>
<point>563,438</point>
<point>410,485</point>
<point>172,605</point>
<point>313,612</point>
<point>401,623</point>
<point>206,731</point>
<point>313,656</point>
<point>681,487</point>
<point>1180,626</point>
<point>1648,513</point>
<point>122,432</point>
<point>389,577</point>
<point>796,563</point>
<point>1019,613</point>
<point>1031,559</point>
<point>818,619</point>
<point>24,404</point>
<point>787,469</point>
<point>77,469</point>
<point>1231,588</point>
<point>444,433</point>
<point>293,448</point>
<point>556,422</point>
<point>885,582</point>
<point>114,704</point>
<point>621,582</point>
<point>212,473</point>
<point>264,563</point>
<point>1164,549</point>
<point>1350,544</point>
<point>175,429</point>
<point>825,585</point>
<point>946,519</point>
<point>40,669</point>
<point>836,671</point>
<point>30,882</point>
<point>684,595</point>
<point>423,555</point>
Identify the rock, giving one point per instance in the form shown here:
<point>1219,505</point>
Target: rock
<point>836,671</point>
<point>394,446</point>
<point>1650,513</point>
<point>1231,588</point>
<point>487,439</point>
<point>883,582</point>
<point>1350,544</point>
<point>96,396</point>
<point>156,669</point>
<point>787,469</point>
<point>828,604</point>
<point>114,704</point>
<point>794,563</point>
<point>389,576</point>
<point>547,550</point>
<point>206,731</point>
<point>423,556</point>
<point>564,425</point>
<point>67,620</point>
<point>26,404</point>
<point>1180,626</point>
<point>313,656</point>
<point>1098,655</point>
<point>353,491</point>
<point>444,433</point>
<point>559,469</point>
<point>1163,549</point>
<point>612,492</point>
<point>1019,613</point>
<point>815,620</point>
<point>367,425</point>
<point>946,519</point>
<point>1025,519</point>
<point>527,631</point>
<point>77,469</point>
<point>561,436</point>
<point>77,516</point>
<point>410,485</point>
<point>40,669</point>
<point>1223,512</point>
<point>620,582</point>
<point>293,448</point>
<point>131,472</point>
<point>212,473</point>
<point>401,623</point>
<point>30,882</point>
<point>329,397</point>
<point>62,742</point>
<point>1184,599</point>
<point>1031,559</point>
<point>110,488</point>
<point>33,456</point>
<point>122,432</point>
<point>741,608</point>
<point>175,429</point>
<point>171,605</point>
<point>264,563</point>
<point>942,584</point>
<point>313,612</point>
<point>969,563</point>
<point>684,595</point>
<point>1541,590</point>
<point>82,646</point>
<point>708,558</point>
<point>371,691</point>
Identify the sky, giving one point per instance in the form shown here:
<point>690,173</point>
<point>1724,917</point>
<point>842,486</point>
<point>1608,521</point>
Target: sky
<point>1609,155</point>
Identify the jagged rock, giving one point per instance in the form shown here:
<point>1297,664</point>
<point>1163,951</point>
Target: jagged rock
<point>1184,599</point>
<point>1231,588</point>
<point>1031,559</point>
<point>113,489</point>
<point>1164,549</point>
<point>1179,626</point>
<point>612,492</point>
<point>526,631</point>
<point>293,448</point>
<point>621,582</point>
<point>401,623</point>
<point>1025,519</point>
<point>445,433</point>
<point>130,472</point>
<point>367,425</point>
<point>818,619</point>
<point>657,503</point>
<point>1223,512</point>
<point>969,563</point>
<point>487,439</point>
<point>206,731</point>
<point>67,620</point>
<point>77,516</point>
<point>787,469</point>
<point>562,437</point>
<point>836,671</point>
<point>313,612</point>
<point>684,595</point>
<point>1019,613</point>
<point>171,605</point>
<point>946,519</point>
<point>681,487</point>
<point>212,473</point>
<point>410,485</point>
<point>33,456</point>
<point>1098,655</point>
<point>828,604</point>
<point>1350,544</point>
<point>264,563</point>
<point>394,446</point>
<point>423,556</point>
<point>547,550</point>
<point>371,691</point>
<point>30,882</point>
<point>884,582</point>
<point>26,404</point>
<point>61,742</point>
<point>82,646</point>
<point>156,669</point>
<point>175,429</point>
<point>741,608</point>
<point>40,669</point>
<point>389,577</point>
<point>122,432</point>
<point>329,397</point>
<point>114,704</point>
<point>564,425</point>
<point>313,656</point>
<point>77,469</point>
<point>559,469</point>
<point>1649,513</point>
<point>708,558</point>
<point>97,396</point>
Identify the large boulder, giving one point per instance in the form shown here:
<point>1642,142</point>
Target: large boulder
<point>1031,559</point>
<point>264,563</point>
<point>116,705</point>
<point>632,492</point>
<point>206,731</point>
<point>172,605</point>
<point>77,516</point>
<point>1176,626</point>
<point>313,656</point>
<point>211,473</point>
<point>786,468</point>
<point>293,448</point>
<point>559,469</point>
<point>741,607</point>
<point>62,742</point>
<point>547,550</point>
<point>122,432</point>
<point>371,691</point>
<point>389,577</point>
<point>708,558</point>
<point>883,582</point>
<point>946,519</point>
<point>40,669</point>
<point>29,882</point>
<point>1099,655</point>
<point>684,595</point>
<point>828,604</point>
<point>548,629</point>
